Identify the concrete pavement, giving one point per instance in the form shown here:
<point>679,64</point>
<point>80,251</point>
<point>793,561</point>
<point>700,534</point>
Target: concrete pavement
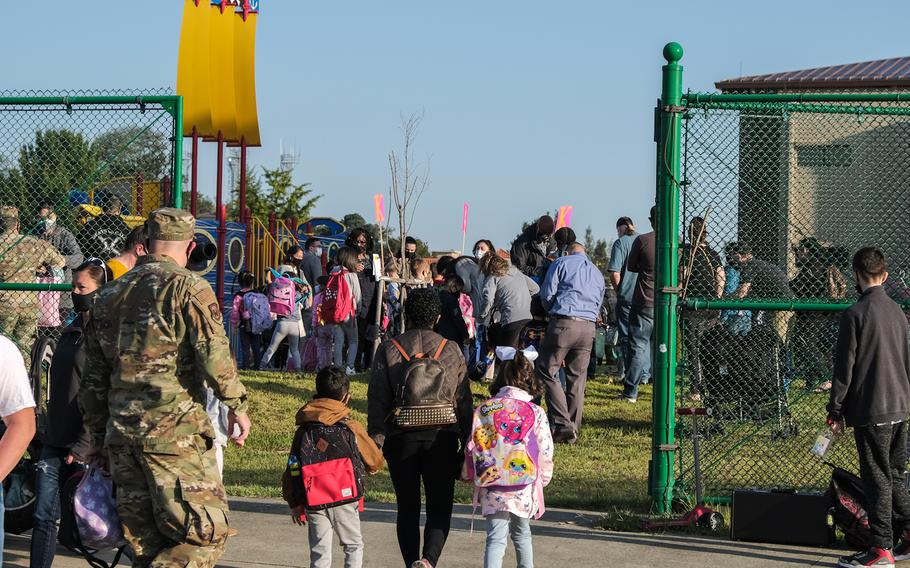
<point>562,539</point>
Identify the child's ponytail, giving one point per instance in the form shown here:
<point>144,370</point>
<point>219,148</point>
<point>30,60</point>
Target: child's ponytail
<point>518,372</point>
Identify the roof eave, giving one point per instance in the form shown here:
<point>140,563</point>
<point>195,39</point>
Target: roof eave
<point>735,85</point>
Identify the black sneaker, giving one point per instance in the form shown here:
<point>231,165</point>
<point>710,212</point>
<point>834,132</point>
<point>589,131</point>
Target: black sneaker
<point>564,436</point>
<point>878,557</point>
<point>902,550</point>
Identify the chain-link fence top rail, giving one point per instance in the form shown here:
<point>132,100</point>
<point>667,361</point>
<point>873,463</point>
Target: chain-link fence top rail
<point>78,171</point>
<point>787,191</point>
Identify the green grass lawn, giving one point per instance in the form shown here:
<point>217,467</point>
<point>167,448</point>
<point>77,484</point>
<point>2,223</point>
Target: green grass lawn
<point>606,470</point>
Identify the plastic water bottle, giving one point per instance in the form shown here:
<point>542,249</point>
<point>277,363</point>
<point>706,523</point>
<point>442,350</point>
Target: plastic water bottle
<point>823,442</point>
<point>294,466</point>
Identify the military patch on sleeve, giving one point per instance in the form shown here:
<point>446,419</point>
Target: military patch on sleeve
<point>215,312</point>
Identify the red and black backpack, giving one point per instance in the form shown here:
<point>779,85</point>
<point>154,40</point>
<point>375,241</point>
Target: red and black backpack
<point>324,467</point>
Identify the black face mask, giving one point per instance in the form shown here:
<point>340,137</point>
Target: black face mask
<point>410,255</point>
<point>83,302</point>
<point>859,290</point>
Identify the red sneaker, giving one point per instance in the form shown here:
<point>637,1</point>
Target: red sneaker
<point>878,557</point>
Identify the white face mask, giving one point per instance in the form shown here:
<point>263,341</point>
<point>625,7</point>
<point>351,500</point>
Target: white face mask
<point>317,251</point>
<point>479,254</point>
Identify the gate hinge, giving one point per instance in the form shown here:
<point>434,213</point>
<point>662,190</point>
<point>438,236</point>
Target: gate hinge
<point>672,290</point>
<point>674,108</point>
<point>668,447</point>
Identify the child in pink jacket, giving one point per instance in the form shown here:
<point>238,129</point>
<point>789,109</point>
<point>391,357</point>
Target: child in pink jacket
<point>510,457</point>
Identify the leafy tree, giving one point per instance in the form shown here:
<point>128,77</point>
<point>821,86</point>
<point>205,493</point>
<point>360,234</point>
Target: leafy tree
<point>57,161</point>
<point>285,198</point>
<point>282,196</point>
<point>131,151</point>
<point>255,199</point>
<point>598,250</point>
<point>205,205</point>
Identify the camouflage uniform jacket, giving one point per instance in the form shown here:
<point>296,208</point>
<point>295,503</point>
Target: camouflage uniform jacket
<point>22,256</point>
<point>156,339</point>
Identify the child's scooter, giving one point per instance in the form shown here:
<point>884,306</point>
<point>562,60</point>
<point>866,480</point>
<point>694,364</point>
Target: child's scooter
<point>701,515</point>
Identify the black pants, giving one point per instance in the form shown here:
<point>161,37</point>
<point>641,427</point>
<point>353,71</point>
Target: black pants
<point>435,462</point>
<point>882,462</point>
<point>251,347</point>
<point>507,335</point>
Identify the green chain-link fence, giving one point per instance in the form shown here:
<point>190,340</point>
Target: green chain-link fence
<point>78,171</point>
<point>774,193</point>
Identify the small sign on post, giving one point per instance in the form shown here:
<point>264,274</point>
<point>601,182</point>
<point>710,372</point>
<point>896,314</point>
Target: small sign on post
<point>464,227</point>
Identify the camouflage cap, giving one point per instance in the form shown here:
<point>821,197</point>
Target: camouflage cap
<point>9,212</point>
<point>169,224</point>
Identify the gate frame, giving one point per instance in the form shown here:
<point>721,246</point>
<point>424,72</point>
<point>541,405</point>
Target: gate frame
<point>172,104</point>
<point>670,108</point>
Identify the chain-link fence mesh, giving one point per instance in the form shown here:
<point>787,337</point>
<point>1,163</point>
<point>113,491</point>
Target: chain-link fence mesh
<point>775,199</point>
<point>78,172</point>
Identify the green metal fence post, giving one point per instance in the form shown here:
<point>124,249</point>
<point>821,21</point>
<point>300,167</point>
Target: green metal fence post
<point>177,183</point>
<point>665,285</point>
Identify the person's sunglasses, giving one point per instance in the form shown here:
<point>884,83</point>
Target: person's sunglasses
<point>100,264</point>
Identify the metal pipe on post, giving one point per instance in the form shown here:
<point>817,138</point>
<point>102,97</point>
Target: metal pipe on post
<point>242,184</point>
<point>666,287</point>
<point>219,213</point>
<point>166,190</point>
<point>194,173</point>
<point>138,201</point>
<point>178,152</point>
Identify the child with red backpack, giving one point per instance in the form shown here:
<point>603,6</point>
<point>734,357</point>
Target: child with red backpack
<point>339,304</point>
<point>510,457</point>
<point>324,480</point>
<point>322,332</point>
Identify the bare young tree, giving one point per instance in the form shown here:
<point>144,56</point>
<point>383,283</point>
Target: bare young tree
<point>410,180</point>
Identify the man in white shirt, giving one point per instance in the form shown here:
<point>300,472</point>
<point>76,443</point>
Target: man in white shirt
<point>17,408</point>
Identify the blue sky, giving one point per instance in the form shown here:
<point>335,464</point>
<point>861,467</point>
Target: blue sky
<point>527,105</point>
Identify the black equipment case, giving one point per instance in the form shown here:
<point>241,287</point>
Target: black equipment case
<point>781,517</point>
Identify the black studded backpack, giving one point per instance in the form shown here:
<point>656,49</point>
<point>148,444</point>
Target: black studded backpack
<point>424,398</point>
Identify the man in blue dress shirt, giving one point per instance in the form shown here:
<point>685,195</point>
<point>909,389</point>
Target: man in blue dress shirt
<point>572,293</point>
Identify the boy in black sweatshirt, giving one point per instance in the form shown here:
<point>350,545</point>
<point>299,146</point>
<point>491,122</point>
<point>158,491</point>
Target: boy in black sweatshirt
<point>871,393</point>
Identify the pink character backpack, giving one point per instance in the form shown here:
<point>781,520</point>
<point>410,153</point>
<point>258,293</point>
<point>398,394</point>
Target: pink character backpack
<point>282,297</point>
<point>503,449</point>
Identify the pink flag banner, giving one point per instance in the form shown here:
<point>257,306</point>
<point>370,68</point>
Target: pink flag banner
<point>379,203</point>
<point>464,220</point>
<point>564,217</point>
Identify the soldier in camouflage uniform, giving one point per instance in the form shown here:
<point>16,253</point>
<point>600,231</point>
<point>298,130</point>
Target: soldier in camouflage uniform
<point>21,256</point>
<point>155,340</point>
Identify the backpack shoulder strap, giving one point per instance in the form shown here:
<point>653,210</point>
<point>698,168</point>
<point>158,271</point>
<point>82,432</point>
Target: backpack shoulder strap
<point>401,350</point>
<point>442,346</point>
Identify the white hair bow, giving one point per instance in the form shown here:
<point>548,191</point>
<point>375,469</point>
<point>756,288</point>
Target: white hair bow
<point>508,353</point>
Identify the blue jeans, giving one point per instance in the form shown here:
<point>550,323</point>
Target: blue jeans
<point>47,506</point>
<point>342,332</point>
<point>638,363</point>
<point>499,527</point>
<point>623,313</point>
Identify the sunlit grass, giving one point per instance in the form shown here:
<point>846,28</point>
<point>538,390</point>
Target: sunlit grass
<point>606,470</point>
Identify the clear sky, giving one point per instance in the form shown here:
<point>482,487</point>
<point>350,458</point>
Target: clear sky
<point>528,105</point>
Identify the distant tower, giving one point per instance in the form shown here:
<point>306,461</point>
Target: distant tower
<point>289,159</point>
<point>233,160</point>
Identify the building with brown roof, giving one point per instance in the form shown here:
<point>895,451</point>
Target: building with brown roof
<point>842,178</point>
